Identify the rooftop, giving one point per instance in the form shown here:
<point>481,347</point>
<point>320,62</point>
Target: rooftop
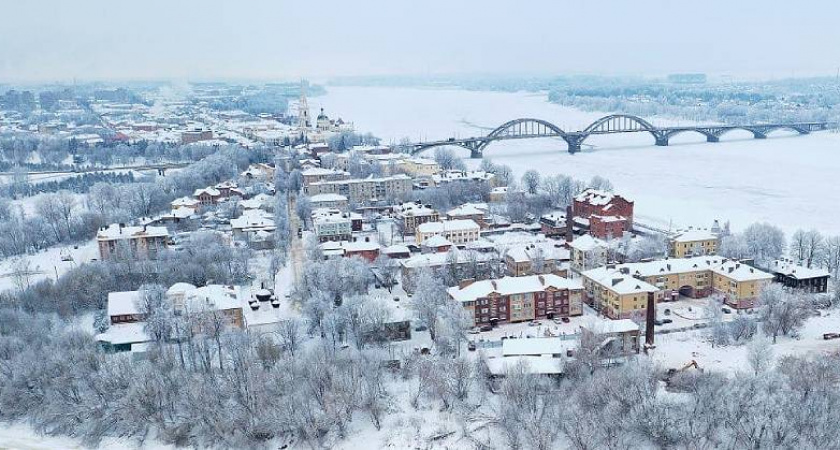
<point>512,285</point>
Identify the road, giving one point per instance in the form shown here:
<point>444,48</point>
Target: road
<point>296,253</point>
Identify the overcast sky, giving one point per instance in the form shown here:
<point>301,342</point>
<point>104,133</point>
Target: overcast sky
<point>45,40</point>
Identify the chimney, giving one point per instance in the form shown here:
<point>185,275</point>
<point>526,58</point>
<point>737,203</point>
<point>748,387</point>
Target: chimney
<point>650,317</point>
<point>464,283</point>
<point>542,280</point>
<point>624,270</point>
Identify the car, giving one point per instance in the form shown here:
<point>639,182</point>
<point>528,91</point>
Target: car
<point>557,321</point>
<point>726,310</point>
<point>657,322</point>
<point>474,330</point>
<point>565,319</point>
<point>471,346</point>
<point>667,321</point>
<point>486,328</point>
<point>421,328</point>
<point>534,323</point>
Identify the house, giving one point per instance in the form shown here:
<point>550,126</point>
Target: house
<point>436,244</point>
<point>455,176</point>
<point>246,226</point>
<point>259,171</point>
<point>693,242</point>
<point>397,252</point>
<point>207,196</point>
<point>228,189</point>
<point>186,203</point>
<point>614,337</point>
<point>412,214</point>
<point>517,299</point>
<point>333,201</point>
<point>119,240</point>
<point>476,212</point>
<point>365,249</point>
<point>421,167</point>
<point>456,231</point>
<point>614,212</point>
<point>795,276</point>
<point>331,225</point>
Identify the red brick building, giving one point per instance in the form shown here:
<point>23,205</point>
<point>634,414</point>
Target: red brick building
<point>518,299</point>
<point>609,215</point>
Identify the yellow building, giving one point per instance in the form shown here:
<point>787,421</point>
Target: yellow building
<point>739,283</point>
<point>616,293</point>
<point>694,243</point>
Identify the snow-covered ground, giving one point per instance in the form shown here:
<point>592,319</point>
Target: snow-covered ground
<point>22,437</point>
<point>787,180</point>
<point>21,270</point>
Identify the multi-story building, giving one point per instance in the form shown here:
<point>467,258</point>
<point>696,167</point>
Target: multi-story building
<point>253,223</point>
<point>413,214</point>
<point>365,190</point>
<point>421,167</point>
<point>190,136</point>
<point>316,174</point>
<point>615,213</point>
<point>119,241</point>
<point>616,293</point>
<point>518,299</point>
<point>587,253</point>
<point>611,288</point>
<point>456,231</point>
<point>795,276</point>
<point>330,201</point>
<point>693,242</point>
<point>331,225</point>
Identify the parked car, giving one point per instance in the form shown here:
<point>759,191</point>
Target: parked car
<point>474,330</point>
<point>534,323</point>
<point>829,336</point>
<point>565,319</point>
<point>667,321</point>
<point>486,328</point>
<point>557,321</point>
<point>726,310</point>
<point>471,346</point>
<point>657,322</point>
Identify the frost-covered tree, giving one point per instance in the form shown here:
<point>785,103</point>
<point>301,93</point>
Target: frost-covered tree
<point>531,181</point>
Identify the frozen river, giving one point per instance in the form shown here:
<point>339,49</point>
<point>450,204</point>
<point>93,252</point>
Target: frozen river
<point>786,179</point>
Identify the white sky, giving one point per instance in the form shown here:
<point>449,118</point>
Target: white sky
<point>45,40</point>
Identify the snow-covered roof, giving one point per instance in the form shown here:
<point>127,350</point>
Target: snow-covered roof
<point>603,326</point>
<point>439,259</point>
<point>587,243</point>
<point>213,297</point>
<point>549,250</point>
<point>618,282</point>
<point>125,333</point>
<point>595,197</point>
<point>468,209</point>
<point>211,191</point>
<point>537,346</point>
<point>329,215</point>
<point>791,269</point>
<point>437,241</point>
<point>318,171</point>
<point>536,365</point>
<point>694,235</point>
<point>738,271</point>
<point>512,285</point>
<point>180,288</point>
<point>116,231</point>
<point>124,303</point>
<point>256,202</point>
<point>184,201</point>
<point>327,198</point>
<point>253,219</point>
<point>396,249</point>
<point>414,209</point>
<point>448,225</point>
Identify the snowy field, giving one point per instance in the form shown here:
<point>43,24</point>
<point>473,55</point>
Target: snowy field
<point>786,179</point>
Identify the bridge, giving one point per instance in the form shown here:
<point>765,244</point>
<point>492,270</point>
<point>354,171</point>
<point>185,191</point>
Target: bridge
<point>528,128</point>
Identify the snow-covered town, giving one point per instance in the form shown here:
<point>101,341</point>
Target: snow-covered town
<point>340,254</point>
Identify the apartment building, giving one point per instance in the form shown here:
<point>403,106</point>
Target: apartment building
<point>456,231</point>
<point>365,190</point>
<point>693,242</point>
<point>119,240</point>
<point>413,214</point>
<point>518,299</point>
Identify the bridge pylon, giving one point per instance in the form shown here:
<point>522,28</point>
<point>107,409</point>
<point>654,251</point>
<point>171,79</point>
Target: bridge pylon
<point>661,140</point>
